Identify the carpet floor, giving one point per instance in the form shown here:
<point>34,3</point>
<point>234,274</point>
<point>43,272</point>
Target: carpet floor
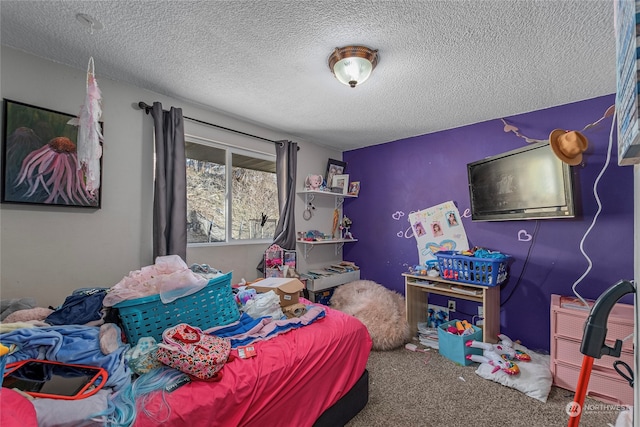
<point>426,389</point>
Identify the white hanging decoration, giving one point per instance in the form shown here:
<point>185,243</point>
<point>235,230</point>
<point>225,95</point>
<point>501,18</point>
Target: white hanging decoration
<point>89,146</point>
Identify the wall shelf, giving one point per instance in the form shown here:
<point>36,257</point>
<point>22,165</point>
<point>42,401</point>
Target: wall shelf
<point>309,196</point>
<point>339,243</point>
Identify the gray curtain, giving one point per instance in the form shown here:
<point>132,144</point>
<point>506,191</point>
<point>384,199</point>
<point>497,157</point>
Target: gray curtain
<point>286,172</point>
<point>170,187</point>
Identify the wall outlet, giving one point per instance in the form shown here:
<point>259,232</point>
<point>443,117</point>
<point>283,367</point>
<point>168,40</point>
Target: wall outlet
<point>480,311</point>
<point>452,305</point>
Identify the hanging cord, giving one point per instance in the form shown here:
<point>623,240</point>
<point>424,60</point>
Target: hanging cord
<point>595,217</point>
<point>628,375</point>
<point>526,263</point>
<point>593,222</point>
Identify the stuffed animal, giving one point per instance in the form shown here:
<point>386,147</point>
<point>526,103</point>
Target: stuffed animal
<point>499,355</point>
<point>498,362</point>
<point>504,348</point>
<point>313,182</point>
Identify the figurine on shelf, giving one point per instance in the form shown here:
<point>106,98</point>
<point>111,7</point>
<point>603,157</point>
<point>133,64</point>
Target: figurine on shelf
<point>346,224</point>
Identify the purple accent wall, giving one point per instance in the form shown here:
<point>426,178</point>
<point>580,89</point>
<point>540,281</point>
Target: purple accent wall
<point>416,173</point>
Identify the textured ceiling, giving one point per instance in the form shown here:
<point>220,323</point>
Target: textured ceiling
<point>443,64</point>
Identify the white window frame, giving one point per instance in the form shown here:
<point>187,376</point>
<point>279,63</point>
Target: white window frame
<point>230,149</point>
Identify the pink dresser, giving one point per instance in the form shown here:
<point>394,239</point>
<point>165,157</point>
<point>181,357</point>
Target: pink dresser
<point>567,327</point>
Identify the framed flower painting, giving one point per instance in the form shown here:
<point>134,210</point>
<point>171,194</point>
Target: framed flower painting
<point>39,159</point>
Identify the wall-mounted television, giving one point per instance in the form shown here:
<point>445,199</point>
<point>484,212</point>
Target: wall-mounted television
<point>526,183</point>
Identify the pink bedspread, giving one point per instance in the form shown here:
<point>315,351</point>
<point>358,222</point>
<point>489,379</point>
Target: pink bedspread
<point>293,379</point>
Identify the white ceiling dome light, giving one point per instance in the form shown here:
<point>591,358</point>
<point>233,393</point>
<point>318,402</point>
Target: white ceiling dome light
<point>352,65</point>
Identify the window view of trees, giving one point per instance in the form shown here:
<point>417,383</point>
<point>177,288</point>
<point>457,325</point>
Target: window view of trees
<point>245,202</point>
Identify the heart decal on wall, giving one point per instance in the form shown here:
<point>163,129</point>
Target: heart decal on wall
<point>523,236</point>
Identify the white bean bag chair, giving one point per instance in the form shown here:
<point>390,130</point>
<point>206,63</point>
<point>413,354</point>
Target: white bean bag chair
<point>380,309</point>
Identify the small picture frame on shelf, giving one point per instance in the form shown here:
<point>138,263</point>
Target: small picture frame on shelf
<point>340,184</point>
<point>334,167</point>
<point>354,188</point>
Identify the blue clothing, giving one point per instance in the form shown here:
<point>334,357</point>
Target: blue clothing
<point>69,344</point>
<point>80,308</point>
<point>247,329</point>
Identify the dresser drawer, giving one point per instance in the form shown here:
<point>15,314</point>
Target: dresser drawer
<point>601,387</point>
<point>570,324</point>
<point>568,351</point>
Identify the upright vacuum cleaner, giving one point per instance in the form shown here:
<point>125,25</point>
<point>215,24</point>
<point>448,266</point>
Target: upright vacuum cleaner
<point>593,346</point>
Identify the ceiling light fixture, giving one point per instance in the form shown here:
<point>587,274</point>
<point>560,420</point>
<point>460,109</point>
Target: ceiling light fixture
<point>352,65</point>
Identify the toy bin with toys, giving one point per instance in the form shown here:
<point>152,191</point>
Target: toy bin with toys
<point>452,338</point>
<point>478,267</point>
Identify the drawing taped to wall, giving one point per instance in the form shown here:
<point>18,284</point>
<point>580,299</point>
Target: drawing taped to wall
<point>440,236</point>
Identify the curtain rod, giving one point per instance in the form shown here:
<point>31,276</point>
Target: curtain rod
<point>146,107</point>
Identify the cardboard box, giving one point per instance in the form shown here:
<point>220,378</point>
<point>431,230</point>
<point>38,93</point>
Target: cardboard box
<point>286,288</point>
<point>453,346</point>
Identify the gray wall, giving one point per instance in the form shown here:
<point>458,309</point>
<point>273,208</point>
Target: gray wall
<point>46,252</point>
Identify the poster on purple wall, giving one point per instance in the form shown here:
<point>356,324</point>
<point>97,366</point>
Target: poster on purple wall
<point>438,228</point>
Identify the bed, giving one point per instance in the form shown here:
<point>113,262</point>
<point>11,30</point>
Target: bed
<point>313,375</point>
<point>294,379</point>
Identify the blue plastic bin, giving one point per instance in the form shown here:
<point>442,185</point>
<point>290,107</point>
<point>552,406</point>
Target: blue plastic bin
<point>471,269</point>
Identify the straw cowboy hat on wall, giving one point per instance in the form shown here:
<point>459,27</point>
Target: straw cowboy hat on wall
<point>568,146</point>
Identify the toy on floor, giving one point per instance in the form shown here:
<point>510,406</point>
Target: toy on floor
<point>509,348</point>
<point>497,361</point>
<point>499,355</point>
<point>504,348</point>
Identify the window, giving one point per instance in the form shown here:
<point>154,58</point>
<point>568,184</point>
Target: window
<point>229,204</point>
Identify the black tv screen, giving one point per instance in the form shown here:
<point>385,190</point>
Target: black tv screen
<point>527,183</point>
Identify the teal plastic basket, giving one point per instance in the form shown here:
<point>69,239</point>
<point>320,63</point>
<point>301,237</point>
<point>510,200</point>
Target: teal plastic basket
<point>213,305</point>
